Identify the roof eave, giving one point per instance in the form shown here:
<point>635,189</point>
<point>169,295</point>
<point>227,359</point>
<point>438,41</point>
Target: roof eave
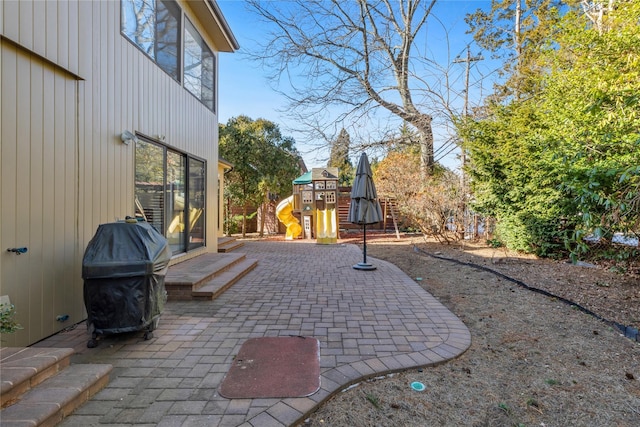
<point>216,25</point>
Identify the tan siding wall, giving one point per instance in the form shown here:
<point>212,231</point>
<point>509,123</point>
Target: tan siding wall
<point>63,134</point>
<point>38,193</point>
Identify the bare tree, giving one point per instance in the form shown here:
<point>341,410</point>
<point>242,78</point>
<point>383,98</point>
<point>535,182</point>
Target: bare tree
<point>596,10</point>
<point>356,54</point>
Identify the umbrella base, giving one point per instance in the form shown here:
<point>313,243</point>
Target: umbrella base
<point>364,266</point>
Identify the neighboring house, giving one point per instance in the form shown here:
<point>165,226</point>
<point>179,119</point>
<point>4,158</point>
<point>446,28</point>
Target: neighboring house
<point>108,109</point>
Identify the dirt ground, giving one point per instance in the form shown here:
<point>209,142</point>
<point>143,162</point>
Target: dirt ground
<point>534,360</point>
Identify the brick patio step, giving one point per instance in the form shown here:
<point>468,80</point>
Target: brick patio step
<point>228,244</point>
<point>184,278</point>
<point>220,283</point>
<point>40,387</point>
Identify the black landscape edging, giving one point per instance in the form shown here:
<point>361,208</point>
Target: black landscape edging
<point>628,331</point>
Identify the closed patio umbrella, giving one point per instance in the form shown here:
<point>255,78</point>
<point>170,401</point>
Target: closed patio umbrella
<point>364,208</point>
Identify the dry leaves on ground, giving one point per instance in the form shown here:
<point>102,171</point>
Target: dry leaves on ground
<point>533,361</point>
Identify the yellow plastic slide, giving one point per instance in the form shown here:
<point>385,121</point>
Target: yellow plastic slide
<point>284,213</point>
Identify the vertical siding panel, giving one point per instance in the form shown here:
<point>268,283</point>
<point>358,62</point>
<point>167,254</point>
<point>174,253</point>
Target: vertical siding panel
<point>108,100</point>
<point>185,108</point>
<point>59,209</point>
<point>1,137</point>
<point>172,103</point>
<point>71,272</point>
<point>35,190</point>
<point>144,78</point>
<point>153,115</point>
<point>161,99</point>
<point>130,103</point>
<point>188,130</point>
<point>90,131</point>
<point>85,118</point>
<point>176,106</point>
<point>155,91</point>
<point>21,180</point>
<point>96,130</point>
<point>167,111</point>
<point>84,176</point>
<point>134,71</point>
<point>119,150</point>
<point>102,101</point>
<point>150,108</point>
<point>49,166</point>
<point>125,151</point>
<point>145,108</point>
<point>132,87</point>
<point>38,29</point>
<point>63,35</point>
<point>182,107</point>
<point>26,23</point>
<point>8,190</point>
<point>84,125</point>
<point>170,107</point>
<point>52,30</point>
<point>162,80</point>
<point>120,115</point>
<point>77,29</point>
<point>115,125</point>
<point>85,29</point>
<point>73,40</point>
<point>100,154</point>
<point>10,21</point>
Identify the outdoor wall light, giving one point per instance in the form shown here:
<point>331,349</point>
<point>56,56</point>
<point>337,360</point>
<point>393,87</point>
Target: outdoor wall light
<point>127,137</point>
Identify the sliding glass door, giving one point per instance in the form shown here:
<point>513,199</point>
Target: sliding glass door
<point>170,194</point>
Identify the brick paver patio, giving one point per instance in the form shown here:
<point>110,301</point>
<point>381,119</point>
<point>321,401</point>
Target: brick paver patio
<point>368,323</point>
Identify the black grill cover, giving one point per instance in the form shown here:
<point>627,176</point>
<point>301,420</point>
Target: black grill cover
<point>123,269</point>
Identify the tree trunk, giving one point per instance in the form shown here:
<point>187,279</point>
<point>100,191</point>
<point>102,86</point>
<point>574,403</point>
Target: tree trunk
<point>265,206</point>
<point>425,134</point>
<point>426,152</point>
<point>227,223</point>
<point>244,220</point>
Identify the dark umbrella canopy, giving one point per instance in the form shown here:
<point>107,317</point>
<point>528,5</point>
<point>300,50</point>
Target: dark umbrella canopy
<point>364,208</point>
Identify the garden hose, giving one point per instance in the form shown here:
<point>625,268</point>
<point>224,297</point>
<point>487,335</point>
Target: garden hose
<point>628,331</point>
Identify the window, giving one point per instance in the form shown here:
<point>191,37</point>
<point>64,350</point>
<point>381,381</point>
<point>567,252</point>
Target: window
<point>330,197</point>
<point>175,197</point>
<point>307,197</point>
<point>154,26</point>
<point>199,67</point>
<point>170,194</point>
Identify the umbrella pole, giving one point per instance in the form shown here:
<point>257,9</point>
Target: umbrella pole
<point>364,242</point>
<point>363,265</point>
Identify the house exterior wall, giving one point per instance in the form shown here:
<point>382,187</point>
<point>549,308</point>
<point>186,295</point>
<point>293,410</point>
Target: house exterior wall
<point>71,84</point>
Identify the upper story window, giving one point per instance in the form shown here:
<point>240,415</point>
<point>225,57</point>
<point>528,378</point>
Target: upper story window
<point>199,67</point>
<point>154,26</point>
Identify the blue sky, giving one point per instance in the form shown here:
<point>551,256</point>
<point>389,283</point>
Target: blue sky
<point>245,90</point>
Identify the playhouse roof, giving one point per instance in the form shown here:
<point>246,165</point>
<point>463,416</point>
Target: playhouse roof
<point>305,178</point>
